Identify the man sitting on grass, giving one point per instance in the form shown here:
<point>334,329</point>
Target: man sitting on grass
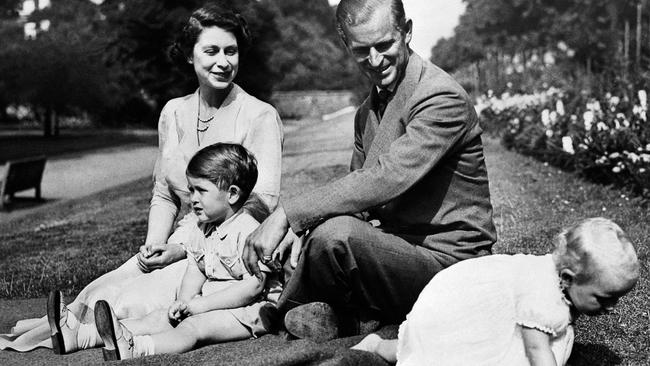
<point>417,172</point>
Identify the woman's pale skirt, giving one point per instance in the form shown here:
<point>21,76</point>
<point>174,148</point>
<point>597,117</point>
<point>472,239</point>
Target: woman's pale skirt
<point>131,293</point>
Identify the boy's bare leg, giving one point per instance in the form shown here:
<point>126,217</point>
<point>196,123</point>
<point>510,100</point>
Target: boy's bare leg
<point>156,321</point>
<point>208,328</point>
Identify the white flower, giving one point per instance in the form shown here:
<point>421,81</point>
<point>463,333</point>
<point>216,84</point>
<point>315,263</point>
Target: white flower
<point>643,98</point>
<point>549,133</point>
<point>559,107</point>
<point>642,170</point>
<point>613,101</point>
<point>553,116</point>
<point>588,117</point>
<point>614,155</point>
<point>616,169</point>
<point>645,158</point>
<point>546,118</point>
<point>601,126</point>
<point>647,147</point>
<point>596,105</point>
<point>567,145</point>
<point>583,146</point>
<point>633,157</point>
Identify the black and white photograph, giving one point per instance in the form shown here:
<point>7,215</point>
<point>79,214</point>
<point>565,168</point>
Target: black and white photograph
<point>325,182</point>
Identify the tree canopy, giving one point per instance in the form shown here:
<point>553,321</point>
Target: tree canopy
<point>110,61</point>
<point>585,34</point>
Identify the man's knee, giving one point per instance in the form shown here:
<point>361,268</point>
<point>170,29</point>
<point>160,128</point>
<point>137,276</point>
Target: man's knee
<point>332,236</point>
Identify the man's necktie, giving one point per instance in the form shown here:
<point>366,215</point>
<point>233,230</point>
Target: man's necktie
<point>382,101</point>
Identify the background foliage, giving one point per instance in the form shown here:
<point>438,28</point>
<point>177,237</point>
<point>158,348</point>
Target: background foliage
<point>109,62</point>
<point>507,40</point>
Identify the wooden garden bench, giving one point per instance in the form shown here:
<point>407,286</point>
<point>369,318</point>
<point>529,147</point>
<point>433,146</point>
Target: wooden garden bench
<point>22,174</point>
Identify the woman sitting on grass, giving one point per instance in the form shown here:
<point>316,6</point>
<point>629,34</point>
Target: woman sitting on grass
<point>219,111</point>
<point>218,299</point>
<point>515,310</point>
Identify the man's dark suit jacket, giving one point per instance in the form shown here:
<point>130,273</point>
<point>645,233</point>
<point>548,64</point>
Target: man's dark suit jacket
<point>421,171</point>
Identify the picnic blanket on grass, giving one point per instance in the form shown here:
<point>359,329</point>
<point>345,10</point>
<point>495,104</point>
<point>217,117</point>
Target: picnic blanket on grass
<point>269,349</point>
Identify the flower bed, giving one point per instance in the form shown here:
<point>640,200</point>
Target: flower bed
<point>606,140</point>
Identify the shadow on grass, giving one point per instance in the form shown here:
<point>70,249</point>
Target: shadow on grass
<point>592,354</point>
<point>21,203</point>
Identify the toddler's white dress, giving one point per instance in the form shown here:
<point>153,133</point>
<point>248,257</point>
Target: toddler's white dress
<point>472,313</point>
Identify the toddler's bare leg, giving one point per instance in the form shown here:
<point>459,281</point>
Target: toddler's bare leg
<point>386,348</point>
<point>208,328</point>
<point>154,322</point>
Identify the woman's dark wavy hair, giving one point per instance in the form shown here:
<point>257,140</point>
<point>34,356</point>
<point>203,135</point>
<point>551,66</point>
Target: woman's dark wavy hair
<point>212,14</point>
<point>225,165</point>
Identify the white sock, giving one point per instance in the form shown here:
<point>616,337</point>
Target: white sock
<point>87,336</point>
<point>143,346</point>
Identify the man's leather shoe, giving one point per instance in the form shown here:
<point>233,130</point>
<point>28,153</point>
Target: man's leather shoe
<point>315,321</point>
<point>321,322</point>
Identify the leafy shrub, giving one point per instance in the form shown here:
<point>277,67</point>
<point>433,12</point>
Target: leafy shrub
<point>609,144</point>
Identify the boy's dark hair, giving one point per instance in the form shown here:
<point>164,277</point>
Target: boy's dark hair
<point>224,165</point>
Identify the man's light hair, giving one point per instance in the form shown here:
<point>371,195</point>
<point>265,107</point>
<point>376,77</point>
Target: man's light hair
<point>588,245</point>
<point>354,12</point>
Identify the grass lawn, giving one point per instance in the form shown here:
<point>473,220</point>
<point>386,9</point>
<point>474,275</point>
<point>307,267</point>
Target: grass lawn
<point>21,145</point>
<point>73,242</point>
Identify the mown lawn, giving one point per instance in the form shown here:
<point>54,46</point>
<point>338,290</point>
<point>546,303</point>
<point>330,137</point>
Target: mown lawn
<point>69,244</point>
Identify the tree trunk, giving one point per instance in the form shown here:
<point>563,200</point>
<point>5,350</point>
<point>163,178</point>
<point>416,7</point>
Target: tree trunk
<point>478,77</point>
<point>498,69</point>
<point>3,114</point>
<point>55,118</point>
<point>626,42</point>
<point>47,121</point>
<point>637,55</point>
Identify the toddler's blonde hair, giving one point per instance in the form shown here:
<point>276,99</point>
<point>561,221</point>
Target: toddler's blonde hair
<point>588,245</point>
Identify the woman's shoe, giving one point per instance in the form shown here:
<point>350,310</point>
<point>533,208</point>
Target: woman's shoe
<point>64,326</point>
<point>118,341</point>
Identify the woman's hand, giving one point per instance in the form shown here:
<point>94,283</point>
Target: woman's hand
<point>152,257</point>
<point>178,311</point>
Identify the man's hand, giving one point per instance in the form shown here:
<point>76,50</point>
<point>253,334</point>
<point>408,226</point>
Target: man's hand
<point>262,242</point>
<point>153,257</point>
<point>290,240</point>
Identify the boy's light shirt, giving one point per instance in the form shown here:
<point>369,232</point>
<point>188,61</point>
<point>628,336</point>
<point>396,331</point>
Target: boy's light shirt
<point>219,253</point>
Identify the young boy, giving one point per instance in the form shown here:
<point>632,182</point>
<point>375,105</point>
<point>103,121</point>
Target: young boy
<point>218,300</point>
